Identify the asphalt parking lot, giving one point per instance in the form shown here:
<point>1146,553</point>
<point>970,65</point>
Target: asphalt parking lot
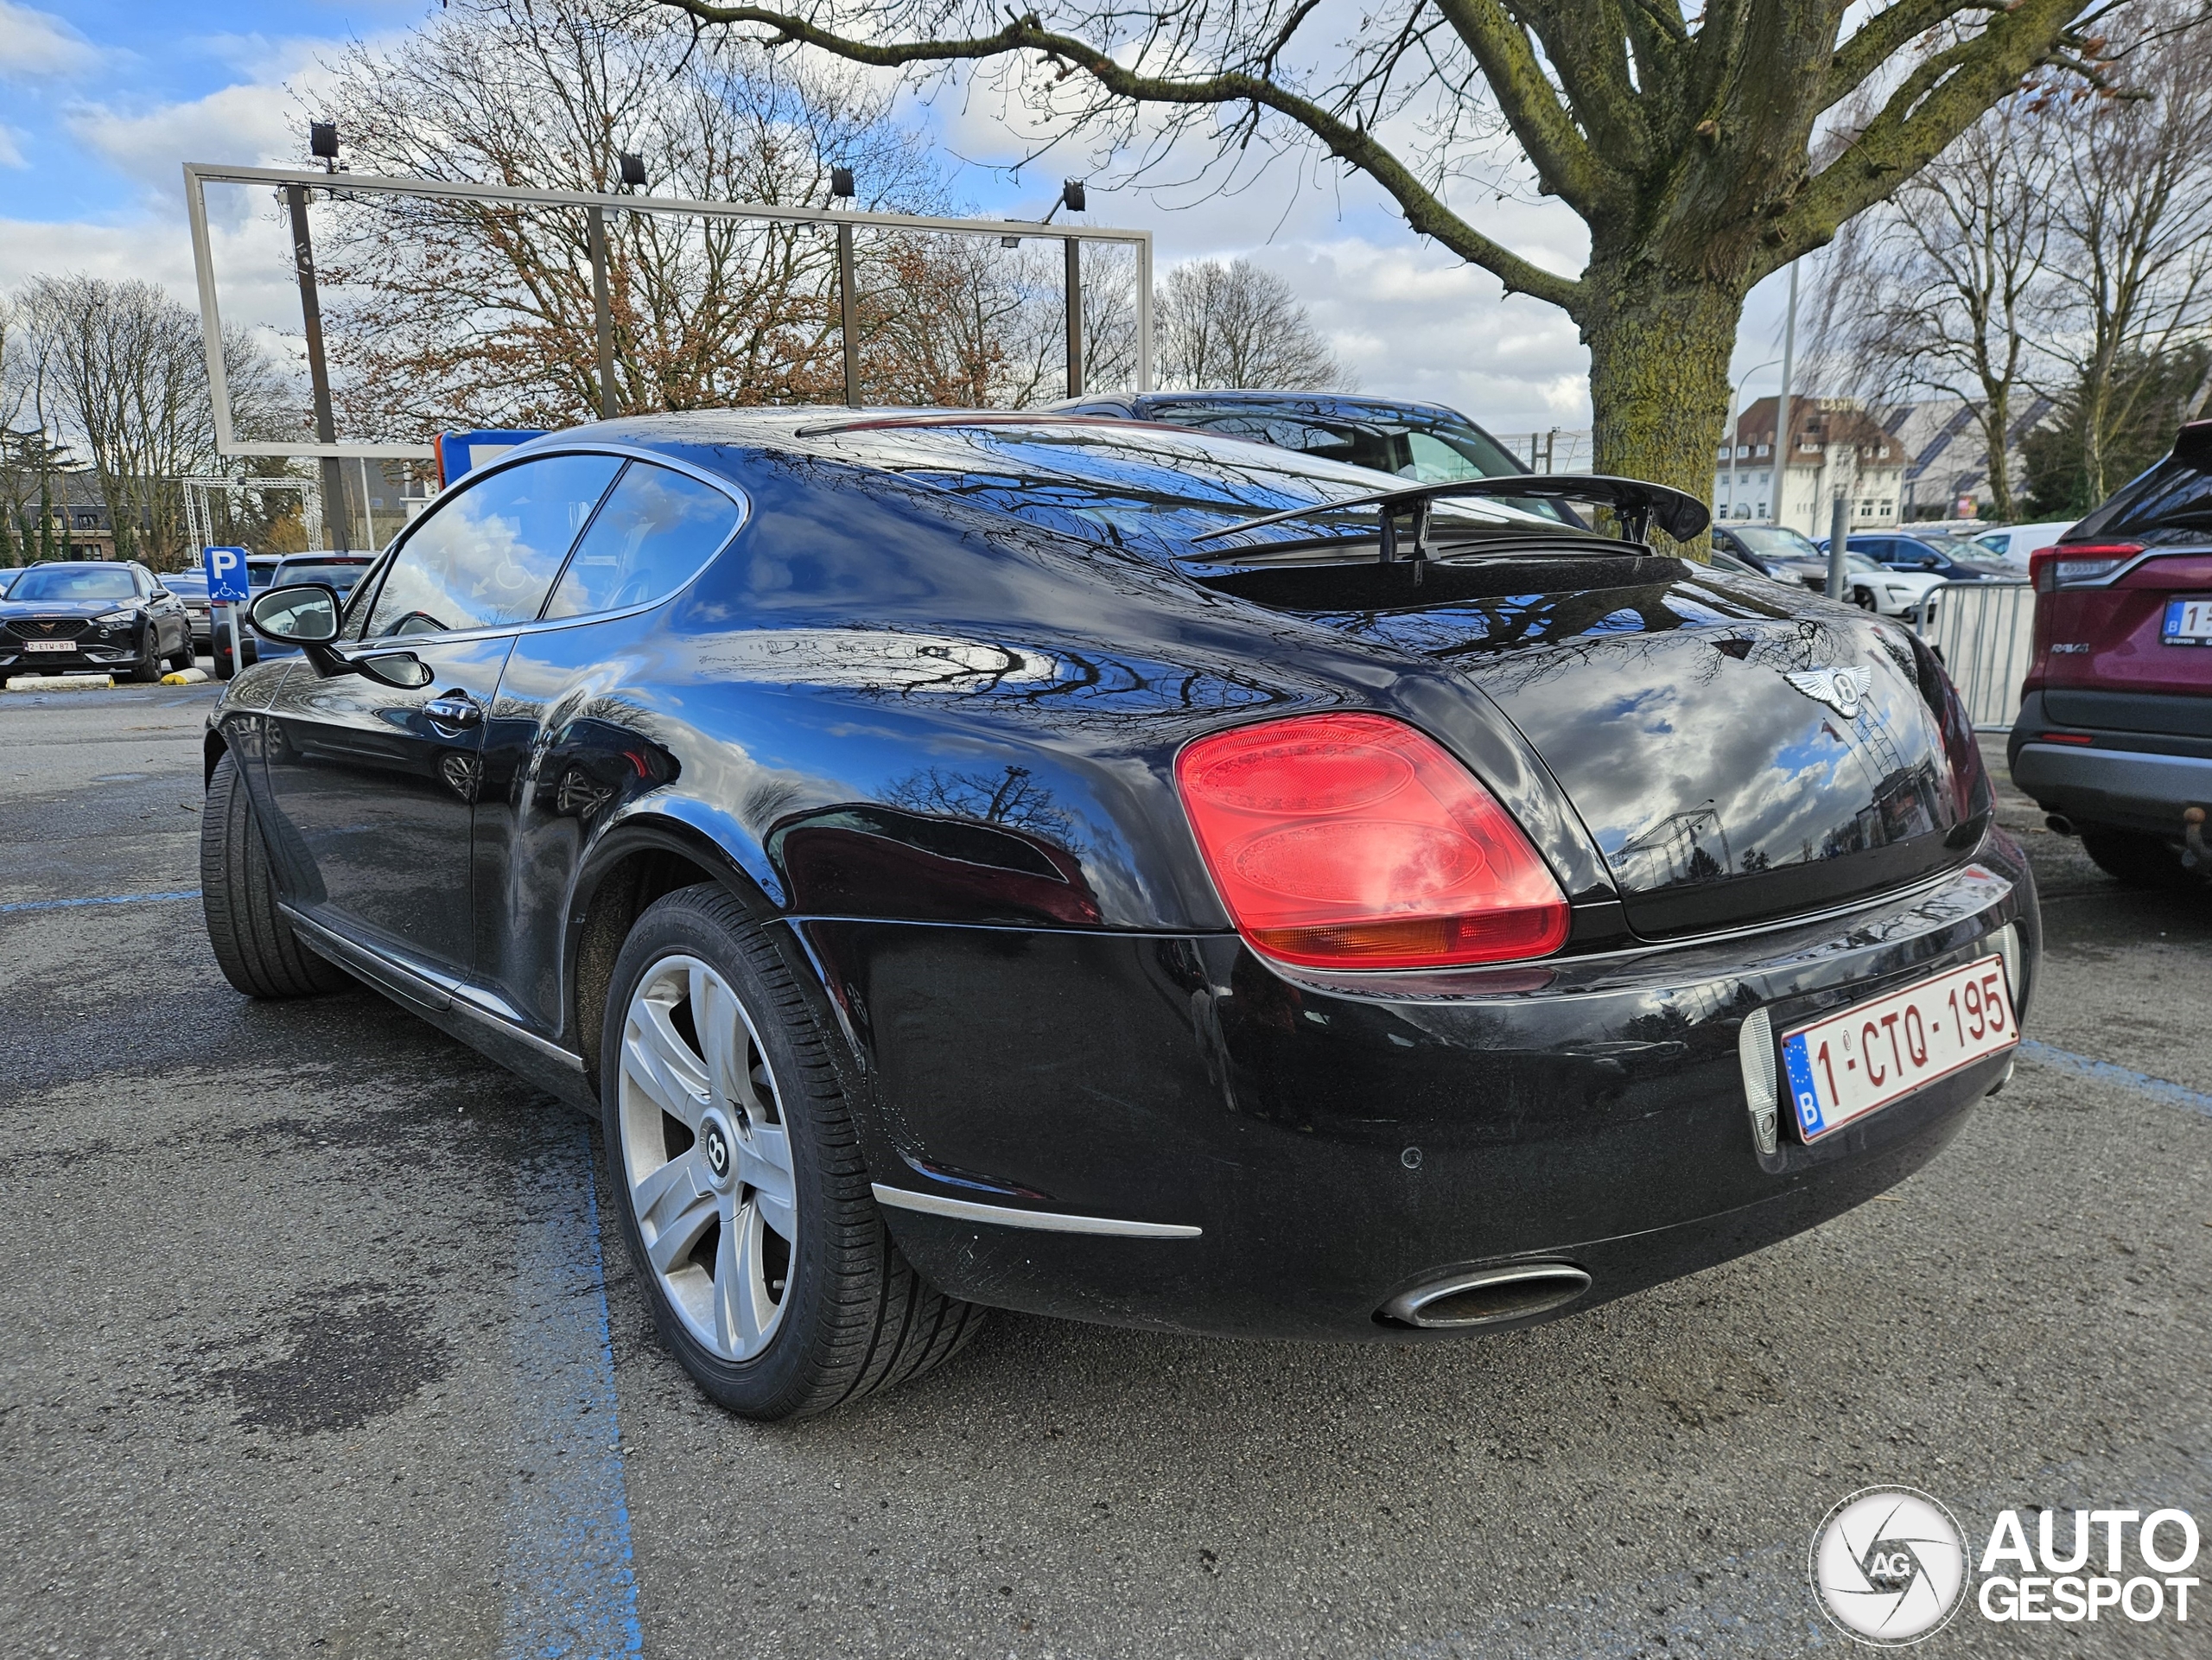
<point>315,1341</point>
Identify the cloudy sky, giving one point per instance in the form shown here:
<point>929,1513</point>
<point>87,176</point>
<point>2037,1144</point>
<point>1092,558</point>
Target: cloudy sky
<point>101,99</point>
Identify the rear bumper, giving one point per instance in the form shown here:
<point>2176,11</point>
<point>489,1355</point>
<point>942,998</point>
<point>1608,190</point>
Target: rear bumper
<point>2141,788</point>
<point>1336,1146</point>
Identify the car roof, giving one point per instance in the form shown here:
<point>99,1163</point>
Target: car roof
<point>1353,404</point>
<point>721,442</point>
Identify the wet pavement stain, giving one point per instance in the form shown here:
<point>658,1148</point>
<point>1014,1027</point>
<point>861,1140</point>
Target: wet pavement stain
<point>357,1359</point>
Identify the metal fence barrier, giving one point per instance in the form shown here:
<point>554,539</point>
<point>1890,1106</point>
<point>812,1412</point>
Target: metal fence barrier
<point>1984,633</point>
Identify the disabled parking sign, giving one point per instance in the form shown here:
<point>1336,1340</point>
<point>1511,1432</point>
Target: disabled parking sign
<point>226,576</point>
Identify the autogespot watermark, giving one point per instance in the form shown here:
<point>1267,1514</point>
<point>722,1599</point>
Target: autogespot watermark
<point>1891,1566</point>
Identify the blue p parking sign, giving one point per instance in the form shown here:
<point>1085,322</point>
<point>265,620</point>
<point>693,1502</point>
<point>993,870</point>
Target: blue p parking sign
<point>226,576</point>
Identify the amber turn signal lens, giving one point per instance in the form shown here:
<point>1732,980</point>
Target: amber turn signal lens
<point>1354,841</point>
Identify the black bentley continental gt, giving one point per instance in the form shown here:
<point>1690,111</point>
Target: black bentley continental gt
<point>1124,872</point>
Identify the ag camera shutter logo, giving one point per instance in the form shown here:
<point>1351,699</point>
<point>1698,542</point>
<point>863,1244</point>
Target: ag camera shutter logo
<point>1889,1566</point>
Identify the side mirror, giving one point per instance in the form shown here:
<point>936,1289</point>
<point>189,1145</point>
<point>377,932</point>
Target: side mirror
<point>299,613</point>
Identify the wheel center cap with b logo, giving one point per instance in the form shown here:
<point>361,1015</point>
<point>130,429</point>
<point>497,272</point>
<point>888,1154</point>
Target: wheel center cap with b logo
<point>716,1147</point>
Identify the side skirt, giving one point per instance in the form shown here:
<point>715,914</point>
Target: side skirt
<point>457,1009</point>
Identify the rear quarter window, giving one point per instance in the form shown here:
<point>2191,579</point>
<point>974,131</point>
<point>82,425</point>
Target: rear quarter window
<point>657,528</point>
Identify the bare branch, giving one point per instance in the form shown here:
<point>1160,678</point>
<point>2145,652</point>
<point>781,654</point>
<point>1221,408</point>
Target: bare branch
<point>1943,95</point>
<point>1346,141</point>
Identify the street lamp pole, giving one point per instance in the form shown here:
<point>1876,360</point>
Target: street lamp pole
<point>1735,408</point>
<point>1782,409</point>
<point>325,426</point>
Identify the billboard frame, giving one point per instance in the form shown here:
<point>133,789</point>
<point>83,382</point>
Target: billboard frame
<point>199,174</point>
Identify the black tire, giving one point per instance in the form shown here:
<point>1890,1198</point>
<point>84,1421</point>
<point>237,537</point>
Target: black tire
<point>147,671</point>
<point>852,1317</point>
<point>185,658</point>
<point>1864,599</point>
<point>254,945</point>
<point>2138,860</point>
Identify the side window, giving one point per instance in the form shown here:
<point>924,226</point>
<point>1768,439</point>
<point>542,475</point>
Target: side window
<point>1435,461</point>
<point>489,555</point>
<point>658,528</point>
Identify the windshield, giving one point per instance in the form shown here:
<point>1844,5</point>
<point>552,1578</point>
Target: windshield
<point>1774,542</point>
<point>340,576</point>
<point>1426,450</point>
<point>1151,490</point>
<point>1859,561</point>
<point>1426,447</point>
<point>74,582</point>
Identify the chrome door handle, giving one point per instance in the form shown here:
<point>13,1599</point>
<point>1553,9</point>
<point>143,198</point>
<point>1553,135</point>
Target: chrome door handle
<point>454,709</point>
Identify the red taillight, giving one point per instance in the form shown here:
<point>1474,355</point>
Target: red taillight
<point>2052,567</point>
<point>1354,842</point>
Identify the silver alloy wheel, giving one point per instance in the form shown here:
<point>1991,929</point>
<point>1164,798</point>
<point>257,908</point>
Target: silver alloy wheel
<point>706,1155</point>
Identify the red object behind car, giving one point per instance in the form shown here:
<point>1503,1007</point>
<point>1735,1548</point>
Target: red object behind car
<point>2115,736</point>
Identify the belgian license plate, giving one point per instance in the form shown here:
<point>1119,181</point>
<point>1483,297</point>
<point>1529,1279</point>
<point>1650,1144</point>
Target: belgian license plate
<point>2189,622</point>
<point>49,645</point>
<point>1872,1053</point>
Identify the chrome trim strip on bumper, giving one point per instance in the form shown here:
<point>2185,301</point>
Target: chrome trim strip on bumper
<point>1006,1216</point>
<point>435,992</point>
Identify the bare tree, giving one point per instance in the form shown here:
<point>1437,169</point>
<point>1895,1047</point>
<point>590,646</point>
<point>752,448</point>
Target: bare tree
<point>1945,289</point>
<point>1234,324</point>
<point>445,311</point>
<point>959,320</point>
<point>123,373</point>
<point>2131,220</point>
<point>25,447</point>
<point>1679,134</point>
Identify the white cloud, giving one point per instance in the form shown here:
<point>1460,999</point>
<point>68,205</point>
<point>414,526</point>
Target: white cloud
<point>242,124</point>
<point>11,154</point>
<point>36,45</point>
<point>246,124</point>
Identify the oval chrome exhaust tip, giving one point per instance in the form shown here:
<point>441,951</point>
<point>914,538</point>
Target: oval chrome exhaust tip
<point>1488,1296</point>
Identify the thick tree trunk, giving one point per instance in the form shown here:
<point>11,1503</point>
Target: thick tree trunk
<point>1660,343</point>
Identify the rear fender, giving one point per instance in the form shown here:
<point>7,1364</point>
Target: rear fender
<point>594,932</point>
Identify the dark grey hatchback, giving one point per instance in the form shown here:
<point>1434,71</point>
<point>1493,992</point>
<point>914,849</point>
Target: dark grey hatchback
<point>1134,874</point>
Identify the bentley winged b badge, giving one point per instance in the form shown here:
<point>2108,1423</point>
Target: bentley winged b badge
<point>1839,689</point>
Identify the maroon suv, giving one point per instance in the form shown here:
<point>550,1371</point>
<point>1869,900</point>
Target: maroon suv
<point>2114,738</point>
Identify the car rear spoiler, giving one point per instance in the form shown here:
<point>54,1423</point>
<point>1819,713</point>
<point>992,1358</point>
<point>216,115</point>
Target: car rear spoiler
<point>1638,504</point>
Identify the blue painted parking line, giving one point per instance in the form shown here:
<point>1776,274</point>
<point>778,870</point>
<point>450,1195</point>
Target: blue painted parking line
<point>2104,1071</point>
<point>105,899</point>
<point>572,1590</point>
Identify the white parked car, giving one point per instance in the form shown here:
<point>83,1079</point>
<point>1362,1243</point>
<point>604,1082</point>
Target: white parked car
<point>1876,587</point>
<point>2014,542</point>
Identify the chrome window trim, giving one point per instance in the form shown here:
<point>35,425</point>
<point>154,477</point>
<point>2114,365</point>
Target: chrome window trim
<point>530,452</point>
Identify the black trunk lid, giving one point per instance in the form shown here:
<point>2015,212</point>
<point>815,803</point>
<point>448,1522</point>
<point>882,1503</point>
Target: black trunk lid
<point>1699,725</point>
